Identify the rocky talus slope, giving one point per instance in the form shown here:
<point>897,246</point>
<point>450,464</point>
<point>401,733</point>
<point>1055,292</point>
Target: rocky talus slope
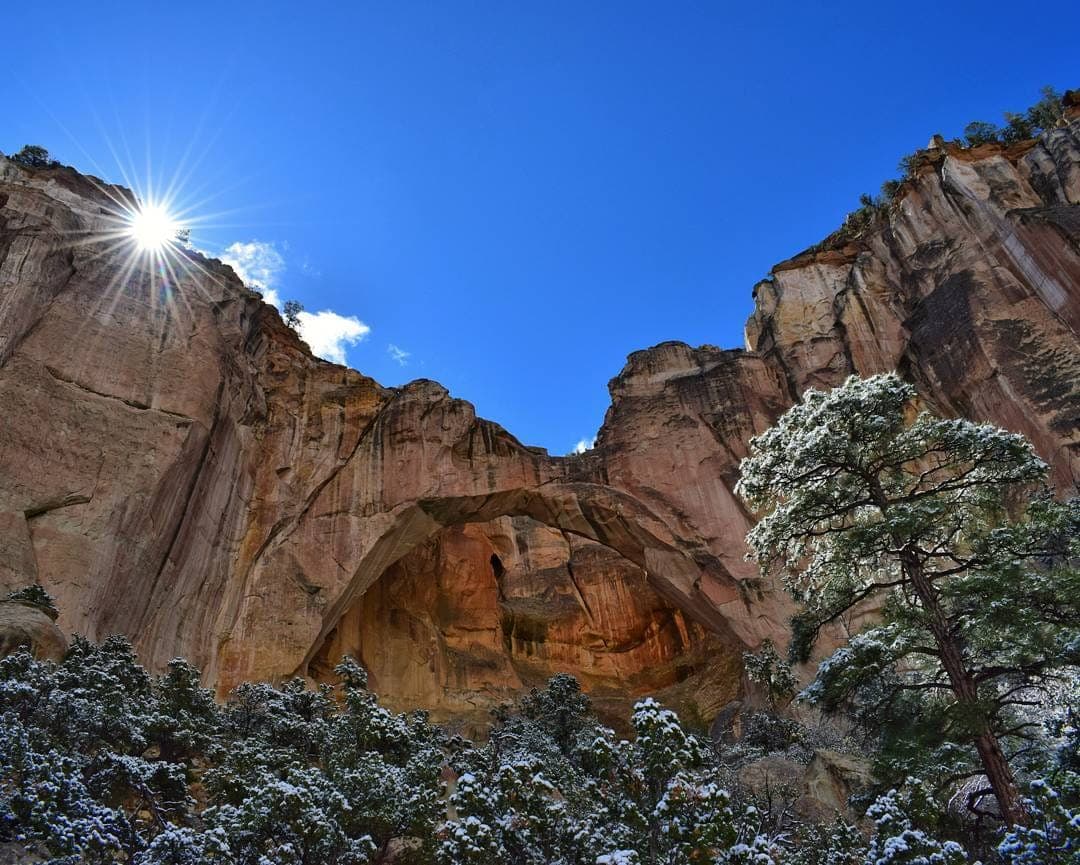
<point>175,466</point>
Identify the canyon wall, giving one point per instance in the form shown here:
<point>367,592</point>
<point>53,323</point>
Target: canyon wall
<point>177,467</point>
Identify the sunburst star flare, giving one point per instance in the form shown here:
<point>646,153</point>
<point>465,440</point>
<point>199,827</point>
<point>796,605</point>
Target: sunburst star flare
<point>151,226</point>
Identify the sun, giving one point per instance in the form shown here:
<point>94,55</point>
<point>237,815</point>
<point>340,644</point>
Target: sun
<point>152,227</point>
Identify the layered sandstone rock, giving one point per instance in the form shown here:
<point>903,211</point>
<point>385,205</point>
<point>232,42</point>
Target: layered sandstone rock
<point>174,465</point>
<point>180,469</point>
<point>972,289</point>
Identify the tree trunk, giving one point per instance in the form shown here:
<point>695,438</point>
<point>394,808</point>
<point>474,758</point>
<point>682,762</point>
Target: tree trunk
<point>1001,778</point>
<point>997,768</point>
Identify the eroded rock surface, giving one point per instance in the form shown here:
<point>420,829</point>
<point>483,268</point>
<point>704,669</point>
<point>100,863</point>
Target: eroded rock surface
<point>481,611</point>
<point>175,466</point>
<point>23,626</point>
<point>972,289</point>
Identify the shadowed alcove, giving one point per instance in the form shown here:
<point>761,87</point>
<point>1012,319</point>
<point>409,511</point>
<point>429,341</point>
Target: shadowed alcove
<point>481,611</point>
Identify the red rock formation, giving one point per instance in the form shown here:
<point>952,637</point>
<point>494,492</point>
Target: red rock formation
<point>177,467</point>
<point>483,610</point>
<point>972,288</point>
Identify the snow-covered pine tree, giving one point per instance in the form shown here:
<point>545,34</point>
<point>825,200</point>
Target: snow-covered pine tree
<point>863,496</point>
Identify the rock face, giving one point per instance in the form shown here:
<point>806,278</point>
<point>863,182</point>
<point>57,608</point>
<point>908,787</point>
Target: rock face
<point>829,782</point>
<point>818,790</point>
<point>481,611</point>
<point>175,466</point>
<point>972,290</point>
<point>26,627</point>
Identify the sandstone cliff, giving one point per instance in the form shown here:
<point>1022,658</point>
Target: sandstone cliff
<point>175,466</point>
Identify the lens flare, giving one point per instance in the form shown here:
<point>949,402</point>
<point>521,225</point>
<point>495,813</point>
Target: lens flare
<point>152,227</point>
<point>146,228</point>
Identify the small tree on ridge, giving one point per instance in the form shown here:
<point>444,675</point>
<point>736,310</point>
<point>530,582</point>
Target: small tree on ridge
<point>291,313</point>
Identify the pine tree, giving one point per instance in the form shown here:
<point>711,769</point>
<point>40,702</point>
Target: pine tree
<point>34,156</point>
<point>766,668</point>
<point>1053,837</point>
<point>898,841</point>
<point>290,312</point>
<point>561,709</point>
<point>863,497</point>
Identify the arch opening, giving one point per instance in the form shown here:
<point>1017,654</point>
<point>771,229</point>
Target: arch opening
<point>689,576</point>
<point>480,611</point>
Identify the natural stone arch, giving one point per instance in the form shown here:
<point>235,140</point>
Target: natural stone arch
<point>421,461</point>
<point>685,574</point>
<point>482,612</point>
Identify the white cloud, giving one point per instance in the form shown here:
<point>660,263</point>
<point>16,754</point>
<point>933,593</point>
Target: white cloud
<point>328,333</point>
<point>584,445</point>
<point>398,354</point>
<point>258,264</point>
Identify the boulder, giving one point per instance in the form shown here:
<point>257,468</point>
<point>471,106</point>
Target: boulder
<point>772,774</point>
<point>24,626</point>
<point>830,780</point>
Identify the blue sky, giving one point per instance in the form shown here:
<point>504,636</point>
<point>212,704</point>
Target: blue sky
<point>512,197</point>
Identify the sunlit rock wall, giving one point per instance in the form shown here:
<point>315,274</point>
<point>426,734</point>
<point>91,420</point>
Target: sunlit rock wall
<point>175,466</point>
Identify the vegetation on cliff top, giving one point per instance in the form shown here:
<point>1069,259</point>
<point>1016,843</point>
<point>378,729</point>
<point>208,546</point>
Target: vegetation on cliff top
<point>34,156</point>
<point>1046,114</point>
